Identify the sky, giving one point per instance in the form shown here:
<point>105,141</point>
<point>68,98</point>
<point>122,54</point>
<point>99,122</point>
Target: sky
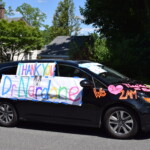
<point>48,7</point>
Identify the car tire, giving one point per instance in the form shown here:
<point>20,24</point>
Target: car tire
<point>121,122</point>
<point>8,115</point>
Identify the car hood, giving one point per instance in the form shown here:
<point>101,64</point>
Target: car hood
<point>134,85</point>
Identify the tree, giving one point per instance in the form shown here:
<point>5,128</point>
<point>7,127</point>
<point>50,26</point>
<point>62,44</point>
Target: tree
<point>33,15</point>
<point>64,21</point>
<point>93,49</point>
<point>16,38</point>
<point>120,17</point>
<point>46,34</point>
<point>125,25</point>
<point>99,51</point>
<point>9,11</point>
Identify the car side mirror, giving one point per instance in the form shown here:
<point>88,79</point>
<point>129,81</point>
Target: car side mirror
<point>86,84</point>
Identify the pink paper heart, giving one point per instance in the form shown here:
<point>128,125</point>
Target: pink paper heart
<point>115,89</point>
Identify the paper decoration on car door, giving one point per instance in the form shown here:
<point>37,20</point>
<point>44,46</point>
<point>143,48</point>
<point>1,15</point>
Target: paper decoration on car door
<point>47,89</point>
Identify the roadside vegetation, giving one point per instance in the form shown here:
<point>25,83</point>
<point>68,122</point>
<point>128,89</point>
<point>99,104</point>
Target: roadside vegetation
<point>16,37</point>
<point>126,27</point>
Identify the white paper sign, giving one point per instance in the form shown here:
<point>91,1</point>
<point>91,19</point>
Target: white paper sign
<point>36,69</point>
<point>47,89</point>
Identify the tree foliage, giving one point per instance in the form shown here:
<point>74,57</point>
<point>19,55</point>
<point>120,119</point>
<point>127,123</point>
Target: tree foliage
<point>125,24</point>
<point>16,38</point>
<point>33,15</point>
<point>99,51</point>
<point>8,11</point>
<point>64,20</point>
<point>127,18</point>
<point>93,49</point>
<point>46,34</point>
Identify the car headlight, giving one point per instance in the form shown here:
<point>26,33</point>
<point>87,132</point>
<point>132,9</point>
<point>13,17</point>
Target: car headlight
<point>143,96</point>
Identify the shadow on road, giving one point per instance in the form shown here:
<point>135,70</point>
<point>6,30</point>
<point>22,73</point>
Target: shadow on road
<point>74,130</point>
<point>63,128</point>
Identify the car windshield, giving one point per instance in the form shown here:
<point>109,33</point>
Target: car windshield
<point>106,73</point>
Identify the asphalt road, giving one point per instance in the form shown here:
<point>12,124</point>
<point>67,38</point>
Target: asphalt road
<point>37,136</point>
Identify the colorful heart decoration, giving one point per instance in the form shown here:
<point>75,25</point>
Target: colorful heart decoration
<point>115,89</point>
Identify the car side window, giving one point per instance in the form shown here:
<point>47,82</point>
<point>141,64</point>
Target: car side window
<point>70,71</point>
<point>10,70</point>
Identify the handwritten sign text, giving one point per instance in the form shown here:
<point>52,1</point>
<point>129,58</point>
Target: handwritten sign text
<point>36,69</point>
<point>51,89</point>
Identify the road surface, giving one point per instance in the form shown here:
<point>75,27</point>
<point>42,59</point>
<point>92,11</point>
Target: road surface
<point>38,136</point>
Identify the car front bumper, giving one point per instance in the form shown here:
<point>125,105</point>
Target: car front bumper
<point>145,118</point>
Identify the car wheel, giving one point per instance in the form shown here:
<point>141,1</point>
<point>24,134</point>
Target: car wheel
<point>8,115</point>
<point>121,122</point>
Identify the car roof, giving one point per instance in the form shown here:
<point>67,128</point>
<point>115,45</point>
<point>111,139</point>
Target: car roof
<point>71,62</point>
<point>74,62</point>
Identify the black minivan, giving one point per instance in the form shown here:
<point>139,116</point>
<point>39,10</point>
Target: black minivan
<point>82,93</point>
